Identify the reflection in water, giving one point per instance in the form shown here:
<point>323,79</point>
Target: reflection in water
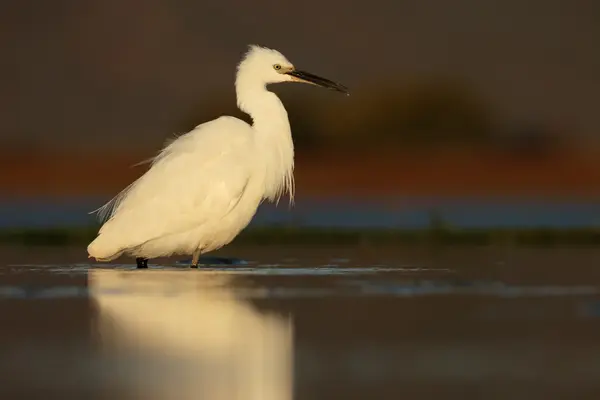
<point>463,327</point>
<point>188,336</point>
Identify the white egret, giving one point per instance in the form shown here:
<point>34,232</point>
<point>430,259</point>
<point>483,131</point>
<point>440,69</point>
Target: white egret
<point>204,188</point>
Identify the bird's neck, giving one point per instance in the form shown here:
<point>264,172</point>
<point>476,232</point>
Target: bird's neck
<point>273,137</point>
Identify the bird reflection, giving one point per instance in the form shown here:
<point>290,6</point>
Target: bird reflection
<point>172,334</point>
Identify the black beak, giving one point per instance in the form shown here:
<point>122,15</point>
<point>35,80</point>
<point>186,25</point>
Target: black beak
<point>317,80</point>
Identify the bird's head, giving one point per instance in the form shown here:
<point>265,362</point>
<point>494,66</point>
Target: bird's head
<point>270,66</point>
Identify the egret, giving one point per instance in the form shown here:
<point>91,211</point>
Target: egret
<point>203,188</point>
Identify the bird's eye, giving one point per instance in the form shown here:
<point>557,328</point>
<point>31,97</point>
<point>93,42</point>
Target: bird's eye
<point>277,67</point>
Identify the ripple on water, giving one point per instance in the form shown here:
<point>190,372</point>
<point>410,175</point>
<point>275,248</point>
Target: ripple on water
<point>371,281</point>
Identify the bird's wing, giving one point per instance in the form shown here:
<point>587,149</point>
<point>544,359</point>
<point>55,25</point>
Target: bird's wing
<point>198,177</point>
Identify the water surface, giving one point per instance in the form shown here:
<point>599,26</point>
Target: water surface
<point>406,213</point>
<point>303,323</point>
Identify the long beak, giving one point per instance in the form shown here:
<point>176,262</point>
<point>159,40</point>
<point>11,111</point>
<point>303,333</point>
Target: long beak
<point>301,76</point>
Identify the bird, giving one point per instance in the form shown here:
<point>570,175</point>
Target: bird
<point>204,187</point>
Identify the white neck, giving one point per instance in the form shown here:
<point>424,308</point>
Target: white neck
<point>273,136</point>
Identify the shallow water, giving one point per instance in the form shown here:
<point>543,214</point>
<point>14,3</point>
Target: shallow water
<point>303,323</point>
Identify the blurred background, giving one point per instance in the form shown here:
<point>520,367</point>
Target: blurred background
<point>483,112</point>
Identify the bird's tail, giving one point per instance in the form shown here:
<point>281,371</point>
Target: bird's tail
<point>103,250</point>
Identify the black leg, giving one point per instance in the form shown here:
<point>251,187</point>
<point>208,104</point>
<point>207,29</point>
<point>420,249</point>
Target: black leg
<point>141,262</point>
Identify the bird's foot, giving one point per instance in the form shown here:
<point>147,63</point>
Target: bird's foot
<point>195,259</point>
<point>141,262</point>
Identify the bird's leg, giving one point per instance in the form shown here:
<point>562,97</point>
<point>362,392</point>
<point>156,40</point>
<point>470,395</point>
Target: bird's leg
<point>141,262</point>
<point>195,259</point>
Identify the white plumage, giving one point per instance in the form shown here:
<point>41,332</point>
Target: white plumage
<point>204,187</point>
